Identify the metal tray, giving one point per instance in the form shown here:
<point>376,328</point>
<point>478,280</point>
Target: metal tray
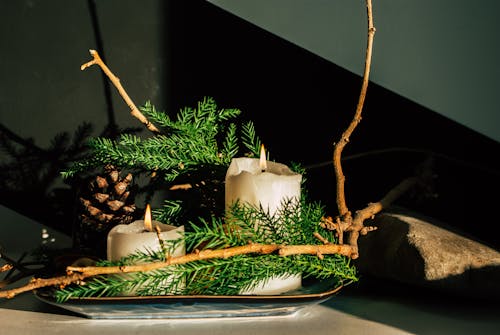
<point>195,306</point>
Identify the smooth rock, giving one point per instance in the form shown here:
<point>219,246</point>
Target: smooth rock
<point>416,250</point>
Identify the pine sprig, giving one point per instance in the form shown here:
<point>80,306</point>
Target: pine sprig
<point>194,148</point>
<point>197,147</point>
<point>249,139</point>
<point>201,136</point>
<point>228,276</point>
<point>231,141</point>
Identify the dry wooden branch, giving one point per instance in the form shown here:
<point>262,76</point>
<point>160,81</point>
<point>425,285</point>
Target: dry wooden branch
<point>181,187</point>
<point>339,146</point>
<point>344,222</point>
<point>357,226</point>
<point>116,81</point>
<point>321,238</point>
<point>76,274</point>
<point>321,249</point>
<point>36,283</point>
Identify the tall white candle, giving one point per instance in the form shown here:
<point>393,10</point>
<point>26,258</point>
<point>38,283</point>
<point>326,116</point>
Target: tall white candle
<point>249,184</point>
<point>257,182</point>
<point>126,239</point>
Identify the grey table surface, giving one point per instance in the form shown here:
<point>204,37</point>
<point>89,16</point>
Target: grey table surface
<point>357,309</point>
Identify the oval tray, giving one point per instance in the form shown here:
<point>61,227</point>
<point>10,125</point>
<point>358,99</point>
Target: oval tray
<point>195,306</point>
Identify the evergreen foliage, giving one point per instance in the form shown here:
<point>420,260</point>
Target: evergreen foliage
<point>197,148</point>
<point>201,136</point>
<point>293,224</point>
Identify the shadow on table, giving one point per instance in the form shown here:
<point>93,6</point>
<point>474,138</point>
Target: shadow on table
<point>29,303</point>
<point>416,309</point>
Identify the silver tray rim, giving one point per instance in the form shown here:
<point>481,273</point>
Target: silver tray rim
<point>195,306</point>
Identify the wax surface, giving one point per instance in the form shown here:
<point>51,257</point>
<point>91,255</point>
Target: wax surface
<point>275,285</point>
<point>124,240</point>
<point>248,184</point>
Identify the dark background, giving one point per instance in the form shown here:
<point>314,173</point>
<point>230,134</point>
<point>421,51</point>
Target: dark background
<point>299,102</point>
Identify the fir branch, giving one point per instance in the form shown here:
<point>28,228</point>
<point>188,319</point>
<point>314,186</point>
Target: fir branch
<point>77,275</point>
<point>171,210</point>
<point>230,146</point>
<point>193,140</point>
<point>224,257</point>
<point>227,257</point>
<point>250,139</point>
<point>81,134</point>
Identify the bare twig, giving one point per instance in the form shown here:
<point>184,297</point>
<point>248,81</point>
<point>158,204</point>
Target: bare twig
<point>36,283</point>
<point>344,222</point>
<point>116,81</point>
<point>321,238</point>
<point>181,187</point>
<point>339,146</point>
<point>357,226</point>
<point>76,274</point>
<point>160,240</point>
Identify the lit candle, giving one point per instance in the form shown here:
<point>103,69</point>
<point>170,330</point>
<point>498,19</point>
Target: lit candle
<point>258,182</point>
<point>140,235</point>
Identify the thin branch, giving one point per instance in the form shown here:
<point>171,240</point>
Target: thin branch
<point>344,221</point>
<point>116,81</point>
<point>36,283</point>
<point>357,226</point>
<point>321,238</point>
<point>161,241</point>
<point>339,146</point>
<point>77,274</point>
<point>320,249</point>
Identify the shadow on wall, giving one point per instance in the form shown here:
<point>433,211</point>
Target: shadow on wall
<point>300,104</point>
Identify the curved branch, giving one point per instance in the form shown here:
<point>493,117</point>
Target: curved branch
<point>116,81</point>
<point>358,228</point>
<point>339,146</point>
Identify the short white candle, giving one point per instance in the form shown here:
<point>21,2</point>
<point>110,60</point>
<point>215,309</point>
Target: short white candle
<point>126,239</point>
<point>250,182</point>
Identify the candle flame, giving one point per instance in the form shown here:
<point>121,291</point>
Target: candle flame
<point>262,161</point>
<point>148,224</point>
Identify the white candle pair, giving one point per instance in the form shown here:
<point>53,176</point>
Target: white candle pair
<point>256,182</point>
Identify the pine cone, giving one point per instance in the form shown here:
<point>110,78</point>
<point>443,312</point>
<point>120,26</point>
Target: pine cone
<point>106,200</point>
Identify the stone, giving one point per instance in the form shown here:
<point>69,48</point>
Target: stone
<point>421,251</point>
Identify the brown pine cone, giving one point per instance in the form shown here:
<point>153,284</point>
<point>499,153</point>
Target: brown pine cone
<point>106,200</point>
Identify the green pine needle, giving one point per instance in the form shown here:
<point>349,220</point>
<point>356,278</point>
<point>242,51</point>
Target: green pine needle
<point>294,224</point>
<point>196,147</point>
<point>198,136</point>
